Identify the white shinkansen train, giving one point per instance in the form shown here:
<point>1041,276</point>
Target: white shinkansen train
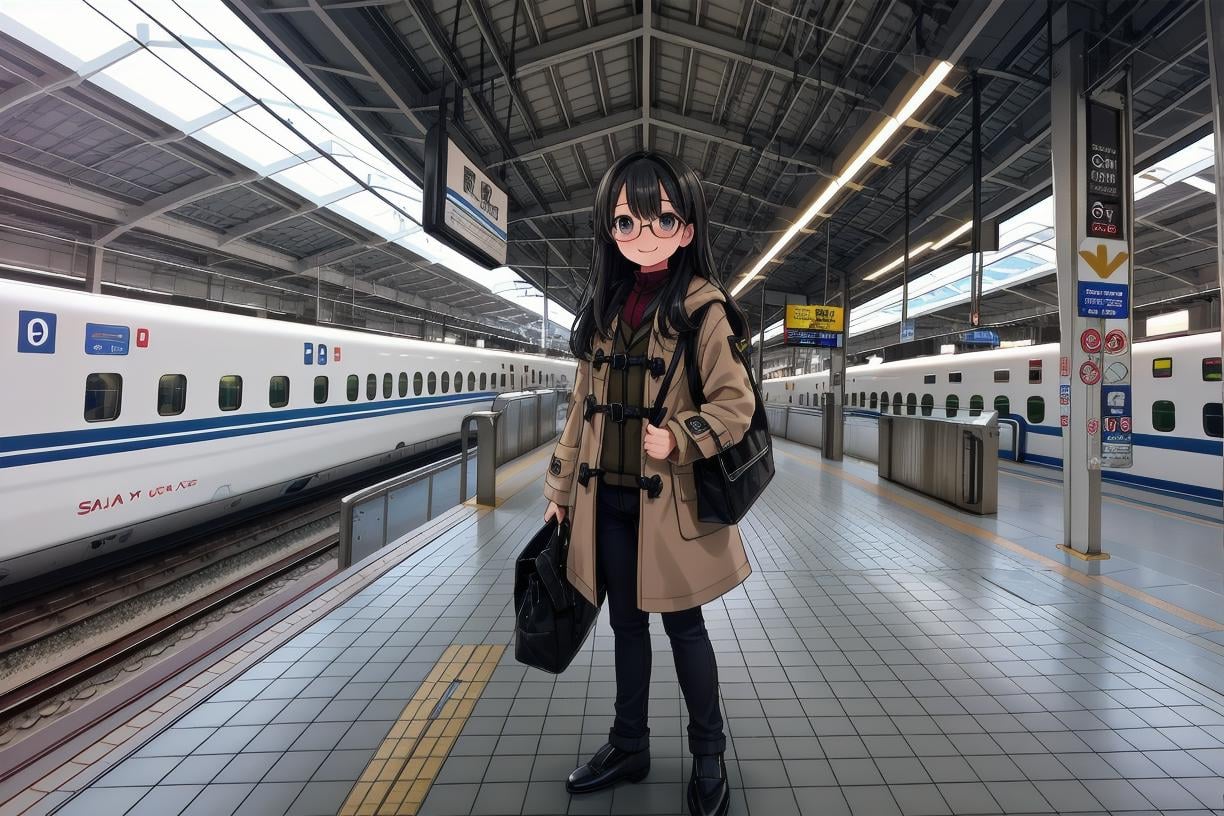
<point>125,421</point>
<point>1175,401</point>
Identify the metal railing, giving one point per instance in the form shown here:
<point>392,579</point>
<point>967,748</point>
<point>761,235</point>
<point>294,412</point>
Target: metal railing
<point>381,514</point>
<point>955,459</point>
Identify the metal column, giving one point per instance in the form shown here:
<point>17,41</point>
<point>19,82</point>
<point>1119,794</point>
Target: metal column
<point>93,278</point>
<point>831,444</point>
<point>544,319</point>
<point>1081,452</point>
<point>1215,57</point>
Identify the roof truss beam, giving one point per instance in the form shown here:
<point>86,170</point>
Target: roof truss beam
<point>198,189</point>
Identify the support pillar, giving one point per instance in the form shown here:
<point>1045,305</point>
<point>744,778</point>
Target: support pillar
<point>831,446</point>
<point>1080,449</point>
<point>1215,57</point>
<point>544,322</point>
<point>93,278</point>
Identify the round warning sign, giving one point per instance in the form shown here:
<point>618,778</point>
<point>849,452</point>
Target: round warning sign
<point>1090,374</point>
<point>1090,341</point>
<point>1115,341</point>
<point>1116,372</point>
<point>1125,424</point>
<point>1093,424</point>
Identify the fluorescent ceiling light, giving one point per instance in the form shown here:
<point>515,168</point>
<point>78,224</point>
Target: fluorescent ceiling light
<point>952,236</point>
<point>888,127</point>
<point>894,264</point>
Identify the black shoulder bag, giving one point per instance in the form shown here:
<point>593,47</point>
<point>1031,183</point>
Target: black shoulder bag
<point>552,619</point>
<point>731,480</point>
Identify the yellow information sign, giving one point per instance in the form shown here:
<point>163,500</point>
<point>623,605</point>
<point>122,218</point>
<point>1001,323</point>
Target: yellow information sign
<point>821,318</point>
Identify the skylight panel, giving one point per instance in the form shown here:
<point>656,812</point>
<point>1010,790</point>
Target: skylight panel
<point>151,85</point>
<point>318,180</point>
<point>89,37</point>
<point>235,137</point>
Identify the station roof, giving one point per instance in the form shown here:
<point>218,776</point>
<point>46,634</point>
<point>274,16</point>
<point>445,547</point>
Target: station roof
<point>768,101</point>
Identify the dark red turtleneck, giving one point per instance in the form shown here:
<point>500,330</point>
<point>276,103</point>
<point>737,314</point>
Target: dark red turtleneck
<point>645,285</point>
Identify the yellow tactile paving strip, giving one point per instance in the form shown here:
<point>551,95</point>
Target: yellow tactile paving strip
<point>398,777</point>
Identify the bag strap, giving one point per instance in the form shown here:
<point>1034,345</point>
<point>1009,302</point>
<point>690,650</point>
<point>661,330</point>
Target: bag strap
<point>657,412</point>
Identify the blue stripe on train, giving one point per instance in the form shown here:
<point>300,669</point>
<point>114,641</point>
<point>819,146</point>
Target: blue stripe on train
<point>1205,495</point>
<point>118,432</point>
<point>41,456</point>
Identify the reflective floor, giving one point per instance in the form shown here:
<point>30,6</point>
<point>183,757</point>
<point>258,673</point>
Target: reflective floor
<point>888,655</point>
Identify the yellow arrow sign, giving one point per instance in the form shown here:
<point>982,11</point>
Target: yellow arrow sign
<point>1100,261</point>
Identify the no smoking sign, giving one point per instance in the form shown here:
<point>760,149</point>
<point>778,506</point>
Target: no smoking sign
<point>1115,342</point>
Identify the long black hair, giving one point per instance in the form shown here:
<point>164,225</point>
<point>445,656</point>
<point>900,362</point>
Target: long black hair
<point>611,276</point>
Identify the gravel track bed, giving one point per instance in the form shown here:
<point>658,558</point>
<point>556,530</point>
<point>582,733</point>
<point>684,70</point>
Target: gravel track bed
<point>85,636</point>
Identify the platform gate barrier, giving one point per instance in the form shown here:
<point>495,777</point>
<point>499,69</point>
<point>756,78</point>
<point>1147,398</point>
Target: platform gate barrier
<point>381,514</point>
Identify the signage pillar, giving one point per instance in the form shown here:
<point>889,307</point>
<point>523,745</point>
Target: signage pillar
<point>1215,57</point>
<point>1089,172</point>
<point>835,398</point>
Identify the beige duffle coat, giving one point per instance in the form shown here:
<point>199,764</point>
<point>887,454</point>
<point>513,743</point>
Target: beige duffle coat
<point>682,562</point>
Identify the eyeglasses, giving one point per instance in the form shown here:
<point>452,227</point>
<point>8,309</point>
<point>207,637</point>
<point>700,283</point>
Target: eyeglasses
<point>628,227</point>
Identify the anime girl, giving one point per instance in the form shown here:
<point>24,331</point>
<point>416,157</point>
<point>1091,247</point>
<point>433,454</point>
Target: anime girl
<point>626,480</point>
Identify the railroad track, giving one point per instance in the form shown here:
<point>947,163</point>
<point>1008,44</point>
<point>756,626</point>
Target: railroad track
<point>55,671</point>
<point>53,643</point>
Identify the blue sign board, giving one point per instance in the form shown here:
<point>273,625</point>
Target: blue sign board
<point>812,337</point>
<point>907,331</point>
<point>106,340</point>
<point>981,337</point>
<point>35,332</point>
<point>1104,299</point>
<point>322,354</point>
<point>1115,400</point>
<point>308,353</point>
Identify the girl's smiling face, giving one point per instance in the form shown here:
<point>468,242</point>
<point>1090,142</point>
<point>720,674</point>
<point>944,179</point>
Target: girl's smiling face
<point>649,242</point>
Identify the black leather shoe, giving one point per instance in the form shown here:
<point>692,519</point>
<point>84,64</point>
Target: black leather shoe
<point>708,793</point>
<point>609,766</point>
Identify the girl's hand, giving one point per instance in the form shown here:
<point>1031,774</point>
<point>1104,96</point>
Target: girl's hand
<point>658,442</point>
<point>554,509</point>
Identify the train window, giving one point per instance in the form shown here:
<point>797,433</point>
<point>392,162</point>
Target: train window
<point>503,379</point>
<point>403,384</point>
<point>1034,372</point>
<point>229,393</point>
<point>445,381</point>
<point>1164,416</point>
<point>433,381</point>
<point>471,380</point>
<point>458,380</point>
<point>928,404</point>
<point>388,384</point>
<point>862,399</point>
<point>353,385</point>
<point>875,400</point>
<point>418,382</point>
<point>371,386</point>
<point>976,405</point>
<point>853,399</point>
<point>1036,410</point>
<point>278,392</point>
<point>1213,419</point>
<point>512,377</point>
<point>897,403</point>
<point>928,379</point>
<point>1002,406</point>
<point>1212,370</point>
<point>884,401</point>
<point>483,380</point>
<point>322,384</point>
<point>911,403</point>
<point>1162,367</point>
<point>954,376</point>
<point>103,396</point>
<point>1002,375</point>
<point>171,394</point>
<point>952,405</point>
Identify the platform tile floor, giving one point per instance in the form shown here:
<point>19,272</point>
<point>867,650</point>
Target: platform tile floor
<point>868,666</point>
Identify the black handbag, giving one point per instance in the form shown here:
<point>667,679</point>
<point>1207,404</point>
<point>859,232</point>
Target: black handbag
<point>730,481</point>
<point>552,619</point>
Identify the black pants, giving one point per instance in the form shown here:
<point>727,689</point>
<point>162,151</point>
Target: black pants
<point>616,551</point>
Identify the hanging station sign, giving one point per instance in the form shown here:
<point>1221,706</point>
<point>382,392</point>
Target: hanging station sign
<point>813,325</point>
<point>461,204</point>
